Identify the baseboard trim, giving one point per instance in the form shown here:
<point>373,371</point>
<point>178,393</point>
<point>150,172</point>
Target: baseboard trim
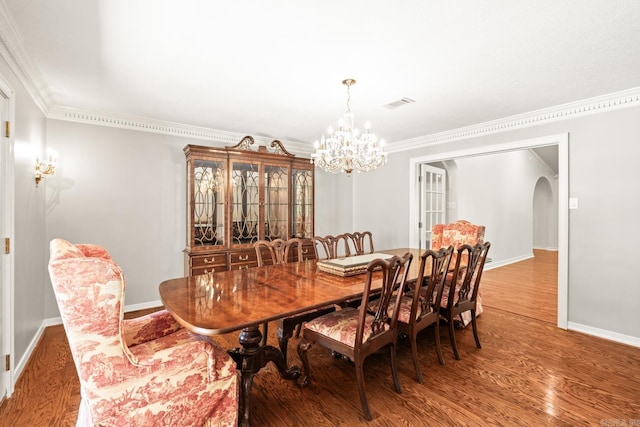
<point>19,367</point>
<point>490,265</point>
<point>602,333</point>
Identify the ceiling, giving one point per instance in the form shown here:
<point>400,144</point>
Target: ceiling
<point>274,69</point>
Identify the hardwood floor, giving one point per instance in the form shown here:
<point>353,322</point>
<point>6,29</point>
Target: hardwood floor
<point>528,373</point>
<point>527,288</point>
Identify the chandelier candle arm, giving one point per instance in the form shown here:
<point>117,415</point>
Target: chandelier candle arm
<point>346,150</point>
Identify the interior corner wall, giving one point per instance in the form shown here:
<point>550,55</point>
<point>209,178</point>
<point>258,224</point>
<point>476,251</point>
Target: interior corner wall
<point>601,296</point>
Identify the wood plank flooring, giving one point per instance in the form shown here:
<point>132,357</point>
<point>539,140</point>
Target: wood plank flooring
<point>527,288</point>
<point>528,373</point>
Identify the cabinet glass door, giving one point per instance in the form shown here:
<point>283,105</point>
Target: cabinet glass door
<point>245,204</point>
<point>276,202</point>
<point>302,204</point>
<point>208,202</point>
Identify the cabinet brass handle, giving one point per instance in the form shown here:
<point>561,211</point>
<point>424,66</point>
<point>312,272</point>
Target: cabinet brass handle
<point>305,251</point>
<point>243,267</point>
<point>206,261</point>
<point>243,258</point>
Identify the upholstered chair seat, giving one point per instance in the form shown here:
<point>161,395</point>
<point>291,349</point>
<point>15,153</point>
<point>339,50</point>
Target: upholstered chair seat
<point>341,326</point>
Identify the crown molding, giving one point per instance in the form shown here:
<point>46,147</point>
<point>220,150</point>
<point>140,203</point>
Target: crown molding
<point>12,50</point>
<point>218,137</point>
<point>599,104</point>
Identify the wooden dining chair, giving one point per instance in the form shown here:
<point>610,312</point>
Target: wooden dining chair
<point>302,249</point>
<point>360,243</point>
<point>357,333</point>
<point>332,246</point>
<point>456,234</point>
<point>280,252</point>
<point>462,288</point>
<point>420,306</point>
<point>277,251</point>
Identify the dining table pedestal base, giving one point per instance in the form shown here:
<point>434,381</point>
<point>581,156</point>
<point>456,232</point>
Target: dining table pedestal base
<point>252,357</point>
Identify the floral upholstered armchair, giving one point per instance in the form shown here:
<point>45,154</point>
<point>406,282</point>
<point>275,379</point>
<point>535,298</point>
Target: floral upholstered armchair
<point>456,234</point>
<point>147,371</point>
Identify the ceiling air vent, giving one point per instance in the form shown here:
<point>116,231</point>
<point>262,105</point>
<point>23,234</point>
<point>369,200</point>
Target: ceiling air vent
<point>399,103</point>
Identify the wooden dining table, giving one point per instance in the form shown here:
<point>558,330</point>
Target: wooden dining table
<point>222,302</point>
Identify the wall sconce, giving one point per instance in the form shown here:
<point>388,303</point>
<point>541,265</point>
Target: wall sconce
<point>44,168</point>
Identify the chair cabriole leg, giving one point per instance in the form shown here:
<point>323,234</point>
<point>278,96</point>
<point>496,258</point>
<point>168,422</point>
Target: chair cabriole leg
<point>394,368</point>
<point>475,328</point>
<point>452,338</point>
<point>361,389</point>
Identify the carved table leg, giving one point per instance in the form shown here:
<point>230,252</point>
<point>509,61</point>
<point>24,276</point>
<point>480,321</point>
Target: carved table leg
<point>252,357</point>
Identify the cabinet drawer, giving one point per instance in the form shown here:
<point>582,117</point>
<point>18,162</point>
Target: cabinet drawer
<point>205,270</point>
<point>242,266</point>
<point>210,260</point>
<point>243,256</point>
<point>308,251</point>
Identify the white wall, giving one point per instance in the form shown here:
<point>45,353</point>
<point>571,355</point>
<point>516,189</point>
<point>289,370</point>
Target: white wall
<point>124,190</point>
<point>497,191</point>
<point>333,203</point>
<point>380,200</point>
<point>603,175</point>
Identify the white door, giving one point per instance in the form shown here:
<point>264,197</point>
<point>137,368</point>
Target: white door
<point>432,199</point>
<point>4,380</point>
<point>6,231</point>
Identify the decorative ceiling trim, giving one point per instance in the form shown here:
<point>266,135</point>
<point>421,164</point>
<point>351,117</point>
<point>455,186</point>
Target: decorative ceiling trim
<point>166,128</point>
<point>12,50</point>
<point>600,104</point>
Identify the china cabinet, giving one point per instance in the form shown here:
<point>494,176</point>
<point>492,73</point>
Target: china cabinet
<point>238,195</point>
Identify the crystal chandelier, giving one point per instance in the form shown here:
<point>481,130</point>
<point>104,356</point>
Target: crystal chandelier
<point>346,150</point>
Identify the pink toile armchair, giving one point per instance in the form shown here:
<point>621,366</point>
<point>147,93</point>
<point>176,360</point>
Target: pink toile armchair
<point>147,371</point>
<point>456,234</point>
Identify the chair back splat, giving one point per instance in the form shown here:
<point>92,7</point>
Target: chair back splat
<point>420,307</point>
<point>332,246</point>
<point>461,294</point>
<point>456,234</point>
<point>357,333</point>
<point>360,243</point>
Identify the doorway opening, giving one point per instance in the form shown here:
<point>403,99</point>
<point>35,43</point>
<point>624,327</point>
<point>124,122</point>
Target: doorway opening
<point>562,143</point>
